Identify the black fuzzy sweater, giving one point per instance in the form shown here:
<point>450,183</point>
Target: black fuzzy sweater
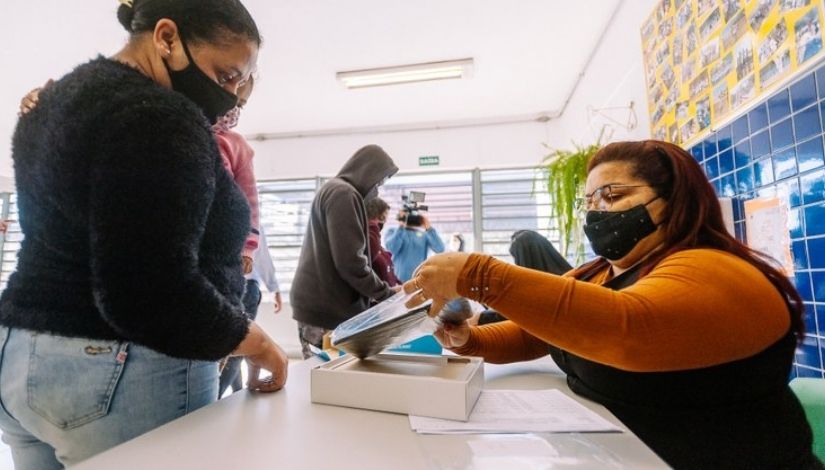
<point>133,229</point>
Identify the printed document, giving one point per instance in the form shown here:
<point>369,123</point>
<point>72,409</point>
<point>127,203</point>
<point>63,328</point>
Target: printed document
<point>519,411</point>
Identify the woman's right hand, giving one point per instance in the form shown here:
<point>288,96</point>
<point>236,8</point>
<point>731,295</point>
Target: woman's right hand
<point>452,335</point>
<point>29,102</point>
<point>263,353</point>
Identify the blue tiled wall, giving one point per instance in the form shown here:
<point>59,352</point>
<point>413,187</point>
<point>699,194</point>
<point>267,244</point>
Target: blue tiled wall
<point>777,149</point>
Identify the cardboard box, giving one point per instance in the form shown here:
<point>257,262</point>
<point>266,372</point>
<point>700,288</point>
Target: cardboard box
<point>423,385</point>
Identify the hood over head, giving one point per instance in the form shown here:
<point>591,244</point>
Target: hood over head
<point>366,168</point>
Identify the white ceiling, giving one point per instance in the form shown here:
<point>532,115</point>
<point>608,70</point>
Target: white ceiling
<point>528,55</point>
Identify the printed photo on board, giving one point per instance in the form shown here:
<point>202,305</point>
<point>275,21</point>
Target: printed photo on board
<point>744,56</point>
<point>808,36</point>
<point>721,69</point>
<point>775,69</point>
<point>699,84</point>
<point>734,30</point>
<point>720,100</point>
<point>703,112</point>
<point>704,6</point>
<point>710,24</point>
<point>730,7</point>
<point>710,52</point>
<point>760,13</point>
<point>742,92</point>
<point>775,39</point>
<point>786,5</point>
<point>683,15</point>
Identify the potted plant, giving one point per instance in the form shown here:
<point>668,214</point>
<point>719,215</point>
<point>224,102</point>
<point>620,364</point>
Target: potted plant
<point>564,173</point>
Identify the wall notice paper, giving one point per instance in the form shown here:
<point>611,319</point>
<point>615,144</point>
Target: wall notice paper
<point>766,224</point>
<point>519,411</point>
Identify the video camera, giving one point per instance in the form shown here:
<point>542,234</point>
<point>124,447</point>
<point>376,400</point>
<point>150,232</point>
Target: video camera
<point>410,208</point>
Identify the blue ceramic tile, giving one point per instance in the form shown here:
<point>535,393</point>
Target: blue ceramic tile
<point>810,318</point>
<point>727,185</point>
<point>739,229</point>
<point>698,152</point>
<point>806,372</point>
<point>784,163</point>
<point>802,282</point>
<point>820,321</point>
<point>744,179</point>
<point>737,204</point>
<point>789,189</point>
<point>815,220</point>
<point>758,117</point>
<point>763,172</point>
<point>712,167</point>
<point>806,123</point>
<point>710,147</point>
<point>742,153</point>
<point>810,154</point>
<point>800,254</point>
<point>779,106</point>
<point>816,256</point>
<point>818,281</point>
<point>803,92</point>
<point>812,186</point>
<point>807,354</point>
<point>796,225</point>
<point>781,135</point>
<point>726,163</point>
<point>761,144</point>
<point>723,138</point>
<point>740,129</point>
<point>820,81</point>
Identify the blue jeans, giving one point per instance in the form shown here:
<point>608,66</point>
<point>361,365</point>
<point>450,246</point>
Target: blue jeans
<point>231,373</point>
<point>67,399</point>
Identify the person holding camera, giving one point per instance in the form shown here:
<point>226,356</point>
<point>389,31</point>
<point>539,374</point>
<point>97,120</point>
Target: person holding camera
<point>412,241</point>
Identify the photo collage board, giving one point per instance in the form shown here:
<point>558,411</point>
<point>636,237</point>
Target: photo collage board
<point>705,59</point>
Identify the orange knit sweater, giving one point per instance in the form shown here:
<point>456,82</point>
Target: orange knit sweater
<point>696,309</point>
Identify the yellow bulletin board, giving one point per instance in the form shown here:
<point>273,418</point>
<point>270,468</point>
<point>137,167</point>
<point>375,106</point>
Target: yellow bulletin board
<point>704,59</point>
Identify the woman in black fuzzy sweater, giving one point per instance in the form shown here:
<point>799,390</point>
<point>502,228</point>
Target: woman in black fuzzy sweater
<point>129,281</point>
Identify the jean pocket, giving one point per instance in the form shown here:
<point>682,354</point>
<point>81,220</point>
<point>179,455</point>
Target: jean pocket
<point>71,380</point>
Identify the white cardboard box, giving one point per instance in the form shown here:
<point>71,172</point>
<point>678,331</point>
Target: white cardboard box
<point>435,386</point>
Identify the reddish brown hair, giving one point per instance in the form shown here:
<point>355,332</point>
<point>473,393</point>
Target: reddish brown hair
<point>692,217</point>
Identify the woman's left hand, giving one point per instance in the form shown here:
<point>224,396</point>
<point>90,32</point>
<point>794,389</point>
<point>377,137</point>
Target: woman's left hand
<point>436,278</point>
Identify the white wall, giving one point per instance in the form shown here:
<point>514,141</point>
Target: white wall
<point>614,78</point>
<point>487,146</point>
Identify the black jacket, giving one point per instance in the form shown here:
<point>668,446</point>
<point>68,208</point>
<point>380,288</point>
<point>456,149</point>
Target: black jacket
<point>334,279</point>
<point>133,229</point>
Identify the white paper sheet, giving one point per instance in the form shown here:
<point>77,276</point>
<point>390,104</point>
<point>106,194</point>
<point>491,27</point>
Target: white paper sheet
<point>519,411</point>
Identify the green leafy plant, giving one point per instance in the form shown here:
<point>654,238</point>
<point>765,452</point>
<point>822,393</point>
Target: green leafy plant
<point>564,173</point>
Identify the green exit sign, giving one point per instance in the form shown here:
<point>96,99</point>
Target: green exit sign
<point>428,160</point>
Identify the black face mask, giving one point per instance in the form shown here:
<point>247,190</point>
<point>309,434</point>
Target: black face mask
<point>614,234</point>
<point>193,83</point>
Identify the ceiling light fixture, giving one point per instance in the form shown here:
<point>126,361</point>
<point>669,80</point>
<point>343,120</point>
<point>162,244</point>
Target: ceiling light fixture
<point>448,69</point>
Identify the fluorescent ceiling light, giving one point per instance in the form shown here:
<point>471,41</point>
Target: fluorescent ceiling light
<point>461,68</point>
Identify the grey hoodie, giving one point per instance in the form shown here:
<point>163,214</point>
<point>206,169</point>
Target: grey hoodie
<point>334,280</point>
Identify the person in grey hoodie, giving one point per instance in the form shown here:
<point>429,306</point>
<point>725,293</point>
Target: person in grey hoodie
<point>334,279</point>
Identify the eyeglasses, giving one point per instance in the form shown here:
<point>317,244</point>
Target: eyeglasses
<point>602,198</point>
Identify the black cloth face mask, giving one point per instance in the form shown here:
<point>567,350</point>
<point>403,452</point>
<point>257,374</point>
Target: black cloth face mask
<point>613,235</point>
<point>193,83</point>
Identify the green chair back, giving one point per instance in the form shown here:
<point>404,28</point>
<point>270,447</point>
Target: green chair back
<point>811,392</point>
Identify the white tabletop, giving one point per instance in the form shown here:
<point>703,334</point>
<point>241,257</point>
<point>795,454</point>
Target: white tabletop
<point>285,430</point>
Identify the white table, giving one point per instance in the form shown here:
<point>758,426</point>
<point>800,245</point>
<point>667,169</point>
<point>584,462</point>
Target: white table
<point>286,431</point>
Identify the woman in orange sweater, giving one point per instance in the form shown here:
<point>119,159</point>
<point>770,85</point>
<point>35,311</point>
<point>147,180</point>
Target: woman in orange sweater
<point>681,331</point>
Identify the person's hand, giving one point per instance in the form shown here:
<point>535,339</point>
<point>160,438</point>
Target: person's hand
<point>29,102</point>
<point>397,288</point>
<point>425,222</point>
<point>436,278</point>
<point>263,353</point>
<point>453,336</point>
<point>4,226</point>
<point>276,301</point>
<point>247,265</point>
